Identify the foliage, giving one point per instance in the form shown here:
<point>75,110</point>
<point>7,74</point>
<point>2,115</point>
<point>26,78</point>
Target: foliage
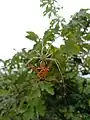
<point>47,83</point>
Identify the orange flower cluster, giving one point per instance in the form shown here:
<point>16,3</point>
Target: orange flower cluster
<point>41,71</point>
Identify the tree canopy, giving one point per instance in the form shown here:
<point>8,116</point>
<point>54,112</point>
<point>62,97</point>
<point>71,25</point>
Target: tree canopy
<point>46,82</point>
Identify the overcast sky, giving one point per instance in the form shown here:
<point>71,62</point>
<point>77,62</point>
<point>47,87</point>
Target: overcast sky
<point>19,16</point>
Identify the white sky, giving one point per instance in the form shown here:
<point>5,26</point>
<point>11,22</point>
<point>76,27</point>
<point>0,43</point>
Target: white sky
<point>19,16</point>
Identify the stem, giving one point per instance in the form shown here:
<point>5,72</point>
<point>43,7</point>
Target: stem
<point>37,115</point>
<point>42,47</point>
<point>58,66</point>
<point>31,60</point>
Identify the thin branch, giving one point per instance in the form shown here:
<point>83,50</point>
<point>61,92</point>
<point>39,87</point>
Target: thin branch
<point>59,68</point>
<point>42,47</point>
<point>31,60</point>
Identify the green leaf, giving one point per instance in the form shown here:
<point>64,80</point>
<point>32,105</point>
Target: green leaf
<point>48,87</point>
<point>38,104</point>
<point>42,86</point>
<point>57,28</point>
<point>22,77</point>
<point>62,49</point>
<point>32,36</point>
<point>87,37</point>
<point>88,61</point>
<point>40,108</point>
<point>86,45</point>
<point>35,93</point>
<point>37,46</point>
<point>71,47</point>
<point>29,114</point>
<point>43,4</point>
<point>49,36</point>
<point>4,92</point>
<point>2,61</point>
<point>50,90</point>
<point>4,118</point>
<point>89,102</point>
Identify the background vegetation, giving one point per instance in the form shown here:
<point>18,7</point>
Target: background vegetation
<point>46,82</point>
